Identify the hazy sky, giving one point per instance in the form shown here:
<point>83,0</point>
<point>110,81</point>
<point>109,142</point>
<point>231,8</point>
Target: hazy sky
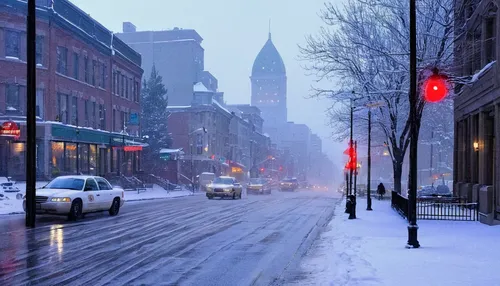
<point>234,31</point>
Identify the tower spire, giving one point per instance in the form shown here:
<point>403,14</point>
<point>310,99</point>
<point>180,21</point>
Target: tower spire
<point>269,28</point>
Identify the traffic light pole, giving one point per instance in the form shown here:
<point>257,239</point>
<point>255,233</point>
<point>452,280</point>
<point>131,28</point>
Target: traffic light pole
<point>31,116</point>
<point>369,192</point>
<point>412,195</point>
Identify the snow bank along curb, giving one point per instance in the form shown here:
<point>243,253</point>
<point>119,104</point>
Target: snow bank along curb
<point>174,196</point>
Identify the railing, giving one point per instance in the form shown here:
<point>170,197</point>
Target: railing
<point>399,204</point>
<point>437,208</point>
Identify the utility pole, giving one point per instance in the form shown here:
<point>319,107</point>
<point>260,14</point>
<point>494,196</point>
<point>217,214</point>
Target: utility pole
<point>412,196</point>
<point>31,116</point>
<point>368,183</point>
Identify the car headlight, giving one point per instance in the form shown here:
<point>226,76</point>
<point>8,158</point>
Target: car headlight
<point>61,200</point>
<point>227,190</point>
<point>209,189</point>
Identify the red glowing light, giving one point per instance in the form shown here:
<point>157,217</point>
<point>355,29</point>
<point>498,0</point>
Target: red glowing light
<point>435,88</point>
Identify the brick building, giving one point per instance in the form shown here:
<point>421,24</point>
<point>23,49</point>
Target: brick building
<point>88,92</point>
<point>477,107</point>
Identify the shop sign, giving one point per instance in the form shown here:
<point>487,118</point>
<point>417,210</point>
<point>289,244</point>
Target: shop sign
<point>237,170</point>
<point>132,148</point>
<point>10,128</point>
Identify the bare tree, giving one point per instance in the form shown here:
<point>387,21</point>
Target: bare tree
<point>364,47</point>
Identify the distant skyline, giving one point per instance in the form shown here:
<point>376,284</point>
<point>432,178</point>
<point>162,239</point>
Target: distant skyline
<point>233,33</point>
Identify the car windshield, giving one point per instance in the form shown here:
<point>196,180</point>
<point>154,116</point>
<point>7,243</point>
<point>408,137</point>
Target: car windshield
<point>290,180</point>
<point>256,181</point>
<point>66,183</point>
<point>224,181</point>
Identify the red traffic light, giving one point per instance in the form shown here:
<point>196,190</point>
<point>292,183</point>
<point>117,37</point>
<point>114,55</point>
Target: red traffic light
<point>262,169</point>
<point>435,88</point>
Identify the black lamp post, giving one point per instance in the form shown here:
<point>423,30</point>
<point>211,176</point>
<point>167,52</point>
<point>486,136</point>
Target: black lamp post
<point>368,183</point>
<point>412,195</point>
<point>31,116</point>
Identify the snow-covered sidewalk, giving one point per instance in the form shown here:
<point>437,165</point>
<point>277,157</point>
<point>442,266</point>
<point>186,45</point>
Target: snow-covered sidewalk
<point>371,251</point>
<point>11,205</point>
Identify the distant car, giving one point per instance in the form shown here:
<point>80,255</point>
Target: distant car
<point>258,186</point>
<point>224,187</point>
<point>76,195</point>
<point>431,191</point>
<point>289,184</point>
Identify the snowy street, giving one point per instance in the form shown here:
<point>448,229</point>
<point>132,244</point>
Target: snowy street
<point>183,241</point>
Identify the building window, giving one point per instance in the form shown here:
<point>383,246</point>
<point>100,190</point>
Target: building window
<point>94,72</point>
<point>62,60</point>
<point>87,113</point>
<point>199,144</point>
<point>490,40</point>
<point>12,44</point>
<point>134,91</point>
<point>76,66</point>
<point>114,120</point>
<point>126,88</point>
<point>62,108</point>
<point>12,99</point>
<point>103,76</point>
<point>102,117</point>
<point>39,103</point>
<point>94,113</point>
<point>113,83</point>
<point>74,110</point>
<point>86,69</point>
<point>123,86</point>
<point>39,50</point>
<point>122,121</point>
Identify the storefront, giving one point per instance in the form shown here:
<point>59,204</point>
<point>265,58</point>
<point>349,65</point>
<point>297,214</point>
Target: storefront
<point>64,150</point>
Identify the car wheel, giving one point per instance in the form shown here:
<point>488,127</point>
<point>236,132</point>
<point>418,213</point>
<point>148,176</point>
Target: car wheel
<point>76,210</point>
<point>210,197</point>
<point>115,207</point>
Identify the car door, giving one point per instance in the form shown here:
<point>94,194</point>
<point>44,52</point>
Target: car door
<point>107,194</point>
<point>92,195</point>
<point>237,187</point>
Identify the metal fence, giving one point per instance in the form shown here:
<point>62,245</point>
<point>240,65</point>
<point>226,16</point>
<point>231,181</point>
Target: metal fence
<point>438,208</point>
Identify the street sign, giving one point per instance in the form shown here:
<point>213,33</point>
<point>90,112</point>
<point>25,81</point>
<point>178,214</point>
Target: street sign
<point>134,119</point>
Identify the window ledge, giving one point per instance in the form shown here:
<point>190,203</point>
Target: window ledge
<point>74,79</point>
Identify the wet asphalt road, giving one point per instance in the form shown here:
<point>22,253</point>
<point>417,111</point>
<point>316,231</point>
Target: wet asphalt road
<point>182,241</point>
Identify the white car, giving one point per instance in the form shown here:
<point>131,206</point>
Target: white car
<point>224,187</point>
<point>77,195</point>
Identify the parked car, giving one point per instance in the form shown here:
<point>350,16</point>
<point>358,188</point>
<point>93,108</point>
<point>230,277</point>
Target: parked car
<point>289,184</point>
<point>431,191</point>
<point>258,186</point>
<point>76,195</point>
<point>224,187</point>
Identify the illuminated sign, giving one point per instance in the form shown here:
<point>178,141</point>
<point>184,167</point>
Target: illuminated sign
<point>236,170</point>
<point>10,128</point>
<point>132,148</point>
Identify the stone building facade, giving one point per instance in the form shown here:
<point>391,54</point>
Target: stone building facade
<point>477,107</point>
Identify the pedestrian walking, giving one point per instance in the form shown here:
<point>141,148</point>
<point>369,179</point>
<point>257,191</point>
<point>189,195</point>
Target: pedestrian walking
<point>381,191</point>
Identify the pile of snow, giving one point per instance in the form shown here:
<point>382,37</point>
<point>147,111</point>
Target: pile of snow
<point>156,192</point>
<point>371,251</point>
